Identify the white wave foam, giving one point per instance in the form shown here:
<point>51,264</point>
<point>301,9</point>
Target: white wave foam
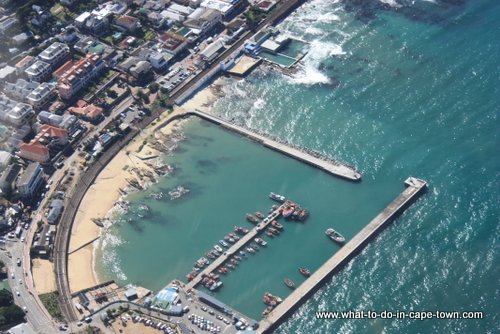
<point>259,104</point>
<point>392,3</point>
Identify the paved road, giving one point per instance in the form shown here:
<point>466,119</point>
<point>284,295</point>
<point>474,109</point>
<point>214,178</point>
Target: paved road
<point>36,314</point>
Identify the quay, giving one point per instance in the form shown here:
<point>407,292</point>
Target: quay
<point>247,238</point>
<point>331,167</point>
<point>414,188</point>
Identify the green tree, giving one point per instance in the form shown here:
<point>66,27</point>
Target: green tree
<point>6,298</point>
<point>11,314</point>
<point>153,88</point>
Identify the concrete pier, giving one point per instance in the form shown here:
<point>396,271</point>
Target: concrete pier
<point>414,188</point>
<point>234,249</point>
<point>330,167</point>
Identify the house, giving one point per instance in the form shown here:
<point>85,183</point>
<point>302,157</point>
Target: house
<point>141,72</point>
<point>4,159</point>
<point>43,240</point>
<point>156,19</point>
<point>56,54</point>
<point>14,113</point>
<point>39,71</point>
<point>203,22</point>
<point>172,43</point>
<point>6,73</point>
<point>155,57</point>
<point>22,38</point>
<point>56,208</point>
<point>129,23</point>
<point>88,112</point>
<point>7,24</point>
<point>23,64</point>
<point>30,181</point>
<point>169,15</point>
<point>226,8</point>
<point>50,139</point>
<point>41,95</point>
<point>79,75</point>
<point>96,24</point>
<point>62,69</point>
<point>69,35</point>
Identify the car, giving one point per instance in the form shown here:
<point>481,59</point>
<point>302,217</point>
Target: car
<point>211,312</point>
<point>203,308</point>
<point>79,323</point>
<point>25,309</point>
<point>18,262</point>
<point>20,281</point>
<point>18,293</point>
<point>12,275</point>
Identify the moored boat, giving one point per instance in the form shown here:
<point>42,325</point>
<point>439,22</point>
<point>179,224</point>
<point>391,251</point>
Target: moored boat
<point>259,215</point>
<point>218,248</point>
<point>277,197</point>
<point>252,219</point>
<point>305,272</point>
<point>289,283</point>
<point>250,250</point>
<point>260,241</point>
<point>334,235</point>
<point>277,225</point>
<point>223,243</point>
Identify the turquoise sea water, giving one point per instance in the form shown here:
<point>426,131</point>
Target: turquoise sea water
<point>396,92</point>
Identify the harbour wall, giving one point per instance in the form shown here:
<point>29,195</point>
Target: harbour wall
<point>415,188</point>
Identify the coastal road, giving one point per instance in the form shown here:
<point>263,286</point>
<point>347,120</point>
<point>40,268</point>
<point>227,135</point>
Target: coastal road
<point>35,313</point>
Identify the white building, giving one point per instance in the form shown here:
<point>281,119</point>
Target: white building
<point>20,89</point>
<point>14,113</point>
<point>55,54</point>
<point>30,180</point>
<point>41,95</point>
<point>39,71</point>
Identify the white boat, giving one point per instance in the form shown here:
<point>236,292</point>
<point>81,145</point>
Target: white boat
<point>223,243</point>
<point>334,235</point>
<point>260,241</point>
<point>277,197</point>
<point>218,248</point>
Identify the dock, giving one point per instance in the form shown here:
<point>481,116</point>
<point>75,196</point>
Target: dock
<point>331,167</point>
<point>414,188</point>
<point>234,249</point>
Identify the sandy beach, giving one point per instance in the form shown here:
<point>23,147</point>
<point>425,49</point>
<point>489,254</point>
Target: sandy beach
<point>105,191</point>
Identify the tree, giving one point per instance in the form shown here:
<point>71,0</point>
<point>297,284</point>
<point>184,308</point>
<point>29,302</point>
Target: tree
<point>11,314</point>
<point>6,298</point>
<point>153,88</point>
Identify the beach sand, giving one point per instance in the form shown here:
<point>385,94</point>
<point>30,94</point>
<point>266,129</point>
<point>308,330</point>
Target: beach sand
<point>43,276</point>
<point>104,192</point>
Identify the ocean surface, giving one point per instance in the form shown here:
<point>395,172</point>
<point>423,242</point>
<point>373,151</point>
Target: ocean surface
<point>396,88</point>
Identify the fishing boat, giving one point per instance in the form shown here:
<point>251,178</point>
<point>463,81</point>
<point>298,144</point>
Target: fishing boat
<point>223,243</point>
<point>259,215</point>
<point>289,283</point>
<point>277,225</point>
<point>252,219</point>
<point>210,255</point>
<point>277,197</point>
<point>234,236</point>
<point>229,239</point>
<point>240,230</point>
<point>242,253</point>
<point>305,272</point>
<point>273,230</point>
<point>334,235</point>
<point>215,286</point>
<point>260,241</point>
<point>269,234</point>
<point>250,250</point>
<point>218,248</point>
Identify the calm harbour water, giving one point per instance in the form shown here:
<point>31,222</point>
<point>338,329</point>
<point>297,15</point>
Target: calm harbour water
<point>396,92</point>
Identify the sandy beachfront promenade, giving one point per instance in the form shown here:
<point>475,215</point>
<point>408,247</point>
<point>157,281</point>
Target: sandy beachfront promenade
<point>105,191</point>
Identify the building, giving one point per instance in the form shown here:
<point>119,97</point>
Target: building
<point>88,112</point>
<point>39,71</point>
<point>56,54</point>
<point>172,43</point>
<point>226,7</point>
<point>30,181</point>
<point>14,113</point>
<point>41,95</point>
<point>212,51</point>
<point>204,20</point>
<point>79,75</point>
<point>21,38</point>
<point>50,139</point>
<point>7,24</point>
<point>23,64</point>
<point>8,178</point>
<point>43,240</point>
<point>65,122</point>
<point>56,208</point>
<point>128,23</point>
<point>20,89</point>
<point>6,73</point>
